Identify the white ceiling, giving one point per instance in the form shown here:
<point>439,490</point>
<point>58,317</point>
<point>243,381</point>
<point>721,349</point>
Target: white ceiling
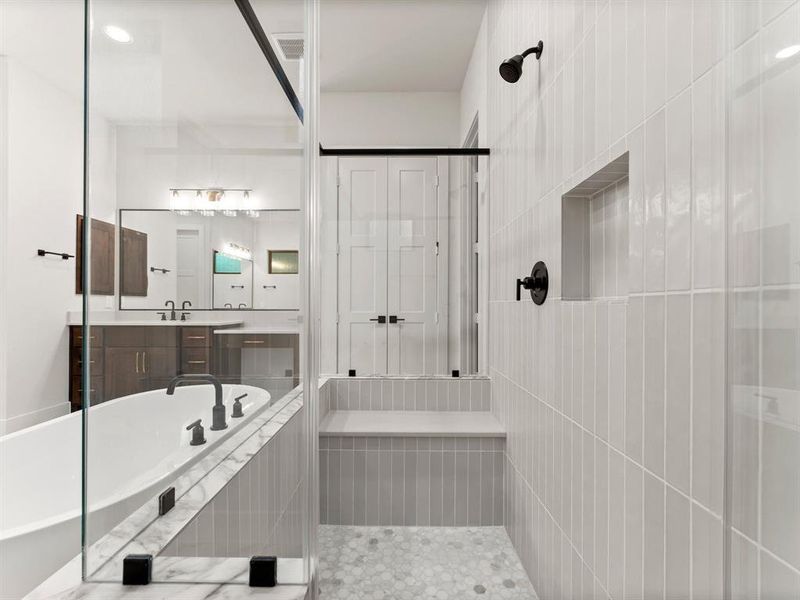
<point>197,61</point>
<point>192,61</point>
<point>397,45</point>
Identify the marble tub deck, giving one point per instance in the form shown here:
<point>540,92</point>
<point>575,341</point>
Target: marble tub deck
<point>407,563</point>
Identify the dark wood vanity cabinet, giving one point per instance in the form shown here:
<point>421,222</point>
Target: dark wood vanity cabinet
<point>133,262</point>
<point>233,358</point>
<point>103,241</point>
<point>124,360</point>
<point>196,355</point>
<point>132,359</point>
<point>96,368</point>
<point>138,359</point>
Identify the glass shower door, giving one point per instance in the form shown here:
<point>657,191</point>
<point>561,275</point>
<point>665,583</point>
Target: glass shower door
<point>763,417</point>
<point>196,440</point>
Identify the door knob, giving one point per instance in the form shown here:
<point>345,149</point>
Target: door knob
<point>380,319</point>
<point>395,319</point>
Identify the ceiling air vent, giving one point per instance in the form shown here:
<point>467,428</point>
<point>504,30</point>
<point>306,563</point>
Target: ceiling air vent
<point>289,46</point>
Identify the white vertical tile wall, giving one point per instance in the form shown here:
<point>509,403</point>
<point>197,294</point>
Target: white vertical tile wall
<point>412,481</point>
<point>615,411</point>
<point>259,511</point>
<point>406,393</point>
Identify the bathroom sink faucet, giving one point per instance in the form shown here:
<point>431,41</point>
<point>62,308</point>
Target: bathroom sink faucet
<point>172,309</point>
<point>184,312</point>
<point>218,412</point>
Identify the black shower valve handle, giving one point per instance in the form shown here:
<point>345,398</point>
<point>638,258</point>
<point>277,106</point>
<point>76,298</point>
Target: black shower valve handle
<point>525,282</point>
<point>537,283</point>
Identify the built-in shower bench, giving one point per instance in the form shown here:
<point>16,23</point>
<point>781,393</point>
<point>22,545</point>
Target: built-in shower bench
<point>404,423</point>
<point>415,451</point>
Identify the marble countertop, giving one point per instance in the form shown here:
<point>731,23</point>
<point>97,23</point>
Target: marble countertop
<point>176,591</point>
<point>66,584</point>
<point>402,423</point>
<point>104,321</point>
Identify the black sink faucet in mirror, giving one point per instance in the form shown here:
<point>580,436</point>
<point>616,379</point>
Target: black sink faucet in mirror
<point>171,305</point>
<point>218,412</point>
<point>184,312</point>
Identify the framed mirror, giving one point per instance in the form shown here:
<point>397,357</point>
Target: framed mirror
<point>218,262</point>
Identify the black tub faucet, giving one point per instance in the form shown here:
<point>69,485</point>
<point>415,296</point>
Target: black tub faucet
<point>237,407</point>
<point>218,412</point>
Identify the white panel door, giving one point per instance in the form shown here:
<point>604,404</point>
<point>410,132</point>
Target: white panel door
<point>413,224</point>
<point>188,268</point>
<point>362,265</point>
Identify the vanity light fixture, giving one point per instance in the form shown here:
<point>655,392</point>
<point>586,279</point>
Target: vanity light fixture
<point>208,201</point>
<point>788,52</point>
<point>118,34</point>
<point>249,211</point>
<point>179,204</point>
<point>237,251</point>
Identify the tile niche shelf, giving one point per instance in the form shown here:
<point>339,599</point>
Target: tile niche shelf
<point>594,217</point>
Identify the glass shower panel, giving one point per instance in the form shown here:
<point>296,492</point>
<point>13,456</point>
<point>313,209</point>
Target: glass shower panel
<point>400,258</point>
<point>191,372</point>
<point>763,449</point>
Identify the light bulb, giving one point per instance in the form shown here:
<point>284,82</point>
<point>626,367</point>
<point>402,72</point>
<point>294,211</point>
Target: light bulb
<point>118,34</point>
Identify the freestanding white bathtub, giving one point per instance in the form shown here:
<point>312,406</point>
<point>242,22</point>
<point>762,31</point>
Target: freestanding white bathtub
<point>137,445</point>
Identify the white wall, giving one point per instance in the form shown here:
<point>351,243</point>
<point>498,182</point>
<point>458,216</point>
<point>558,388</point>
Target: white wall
<point>389,119</point>
<point>42,193</point>
<point>472,99</point>
<point>154,158</point>
<point>275,231</point>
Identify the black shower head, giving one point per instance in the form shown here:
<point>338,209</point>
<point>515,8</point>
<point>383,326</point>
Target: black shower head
<point>511,69</point>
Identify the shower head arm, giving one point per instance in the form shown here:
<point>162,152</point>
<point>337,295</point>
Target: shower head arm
<point>537,50</point>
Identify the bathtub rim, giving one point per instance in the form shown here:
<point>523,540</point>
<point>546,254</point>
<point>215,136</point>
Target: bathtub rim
<point>12,533</point>
<point>129,534</point>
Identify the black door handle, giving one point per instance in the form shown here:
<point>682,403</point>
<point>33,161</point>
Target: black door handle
<point>380,319</point>
<point>394,319</point>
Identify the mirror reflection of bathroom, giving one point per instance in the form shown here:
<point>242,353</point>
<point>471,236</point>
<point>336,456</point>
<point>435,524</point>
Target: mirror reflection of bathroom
<point>233,261</point>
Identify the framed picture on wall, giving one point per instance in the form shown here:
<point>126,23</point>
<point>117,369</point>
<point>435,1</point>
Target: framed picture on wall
<point>282,262</point>
<point>226,265</point>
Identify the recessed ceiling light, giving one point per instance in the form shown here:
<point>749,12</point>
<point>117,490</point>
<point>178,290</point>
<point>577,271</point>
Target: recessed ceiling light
<point>789,51</point>
<point>118,34</point>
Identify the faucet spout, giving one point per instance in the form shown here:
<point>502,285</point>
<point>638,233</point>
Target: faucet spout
<point>218,411</point>
<point>171,305</point>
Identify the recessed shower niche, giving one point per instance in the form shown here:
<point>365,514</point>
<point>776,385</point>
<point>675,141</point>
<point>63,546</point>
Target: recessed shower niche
<point>594,221</point>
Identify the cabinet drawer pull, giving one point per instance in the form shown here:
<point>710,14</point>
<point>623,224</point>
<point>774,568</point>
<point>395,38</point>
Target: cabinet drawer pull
<point>137,362</point>
<point>253,342</point>
<point>92,391</point>
<point>144,364</point>
<point>195,337</point>
<point>196,362</point>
